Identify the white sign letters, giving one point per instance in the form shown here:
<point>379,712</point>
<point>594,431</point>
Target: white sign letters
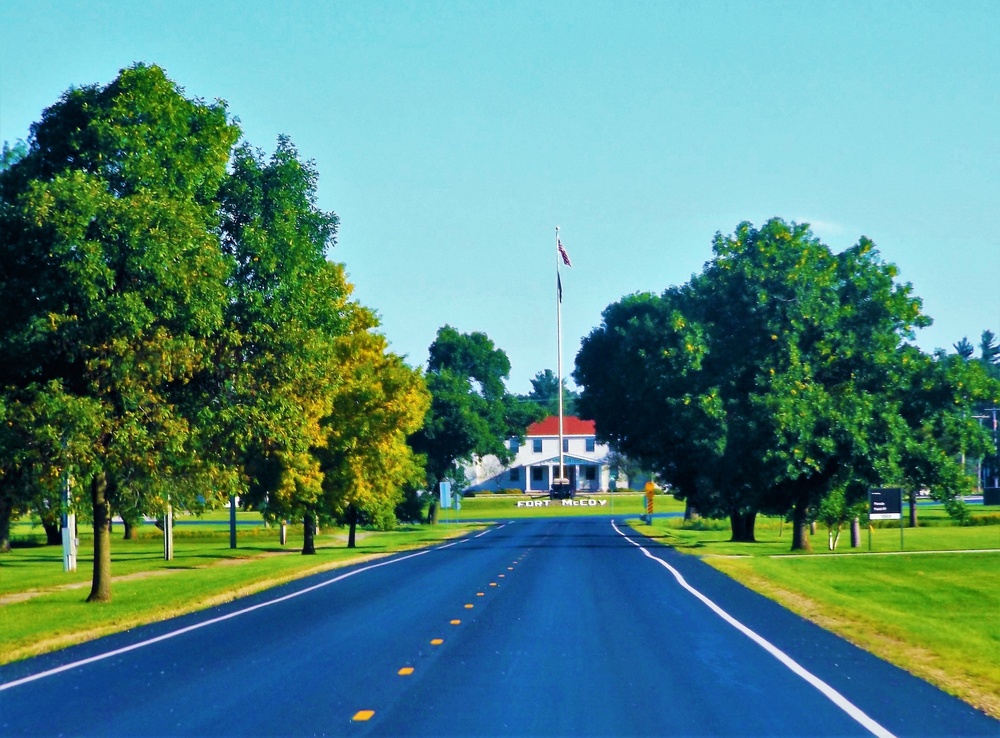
<point>563,503</point>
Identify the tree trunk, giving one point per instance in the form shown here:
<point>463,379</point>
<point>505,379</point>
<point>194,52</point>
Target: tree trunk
<point>855,532</point>
<point>6,513</point>
<point>800,527</point>
<point>128,536</point>
<point>100,589</point>
<point>690,511</point>
<point>742,526</point>
<point>913,509</point>
<point>352,522</point>
<point>53,533</point>
<point>432,513</point>
<point>309,534</point>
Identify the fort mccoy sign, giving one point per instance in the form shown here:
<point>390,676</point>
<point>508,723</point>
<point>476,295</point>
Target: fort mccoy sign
<point>562,503</point>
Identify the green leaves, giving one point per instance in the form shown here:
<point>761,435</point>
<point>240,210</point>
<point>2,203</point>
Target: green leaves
<point>545,394</point>
<point>778,374</point>
<point>172,327</point>
<point>114,283</point>
<point>471,411</point>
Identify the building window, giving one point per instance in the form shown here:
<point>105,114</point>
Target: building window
<point>514,445</point>
<point>565,445</point>
<point>537,473</point>
<point>590,473</point>
<point>536,445</point>
<point>591,445</point>
<point>515,474</point>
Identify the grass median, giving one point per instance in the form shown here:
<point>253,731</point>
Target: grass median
<point>928,604</point>
<point>42,607</point>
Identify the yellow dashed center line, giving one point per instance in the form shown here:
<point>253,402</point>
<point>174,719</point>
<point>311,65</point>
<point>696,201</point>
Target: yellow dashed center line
<point>364,715</point>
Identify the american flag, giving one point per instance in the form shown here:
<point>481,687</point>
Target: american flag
<point>563,254</point>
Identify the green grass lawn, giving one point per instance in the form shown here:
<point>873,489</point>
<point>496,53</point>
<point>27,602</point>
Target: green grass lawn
<point>42,607</point>
<point>774,537</point>
<point>934,614</point>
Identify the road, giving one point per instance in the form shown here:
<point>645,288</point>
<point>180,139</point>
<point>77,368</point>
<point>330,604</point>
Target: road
<point>561,627</point>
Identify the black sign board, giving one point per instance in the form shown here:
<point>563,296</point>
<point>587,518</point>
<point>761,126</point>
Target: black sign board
<point>885,503</point>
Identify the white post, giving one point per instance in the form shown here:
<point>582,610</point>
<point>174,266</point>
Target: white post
<point>69,541</point>
<point>168,533</point>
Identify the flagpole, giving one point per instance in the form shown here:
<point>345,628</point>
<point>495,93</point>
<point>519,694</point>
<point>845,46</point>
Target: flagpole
<point>562,469</point>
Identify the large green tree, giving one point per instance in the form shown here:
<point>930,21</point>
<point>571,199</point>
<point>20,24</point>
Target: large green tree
<point>780,372</point>
<point>938,401</point>
<point>113,286</point>
<point>365,458</point>
<point>471,412</point>
<point>173,330</point>
<point>277,368</point>
<point>642,379</point>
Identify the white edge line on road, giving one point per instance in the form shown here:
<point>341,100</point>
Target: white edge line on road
<point>825,689</point>
<point>213,621</point>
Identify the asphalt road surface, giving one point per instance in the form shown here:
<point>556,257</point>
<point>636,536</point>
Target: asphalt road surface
<point>557,627</point>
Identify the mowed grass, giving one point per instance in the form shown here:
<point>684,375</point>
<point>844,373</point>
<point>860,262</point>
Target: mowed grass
<point>774,537</point>
<point>43,608</point>
<point>932,609</point>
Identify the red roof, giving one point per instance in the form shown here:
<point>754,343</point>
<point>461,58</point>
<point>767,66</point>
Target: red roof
<point>572,426</point>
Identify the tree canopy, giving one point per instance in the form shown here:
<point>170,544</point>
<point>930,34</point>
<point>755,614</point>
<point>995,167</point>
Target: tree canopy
<point>471,412</point>
<point>113,286</point>
<point>545,393</point>
<point>172,328</point>
<point>777,375</point>
<point>365,458</point>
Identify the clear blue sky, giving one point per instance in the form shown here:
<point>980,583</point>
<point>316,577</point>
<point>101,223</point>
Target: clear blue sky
<point>452,137</point>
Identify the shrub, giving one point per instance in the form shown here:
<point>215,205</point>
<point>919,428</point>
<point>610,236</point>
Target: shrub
<point>987,519</point>
<point>411,508</point>
<point>709,524</point>
<point>384,519</point>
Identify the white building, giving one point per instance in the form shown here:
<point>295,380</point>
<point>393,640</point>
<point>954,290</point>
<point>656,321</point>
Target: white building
<point>536,462</point>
